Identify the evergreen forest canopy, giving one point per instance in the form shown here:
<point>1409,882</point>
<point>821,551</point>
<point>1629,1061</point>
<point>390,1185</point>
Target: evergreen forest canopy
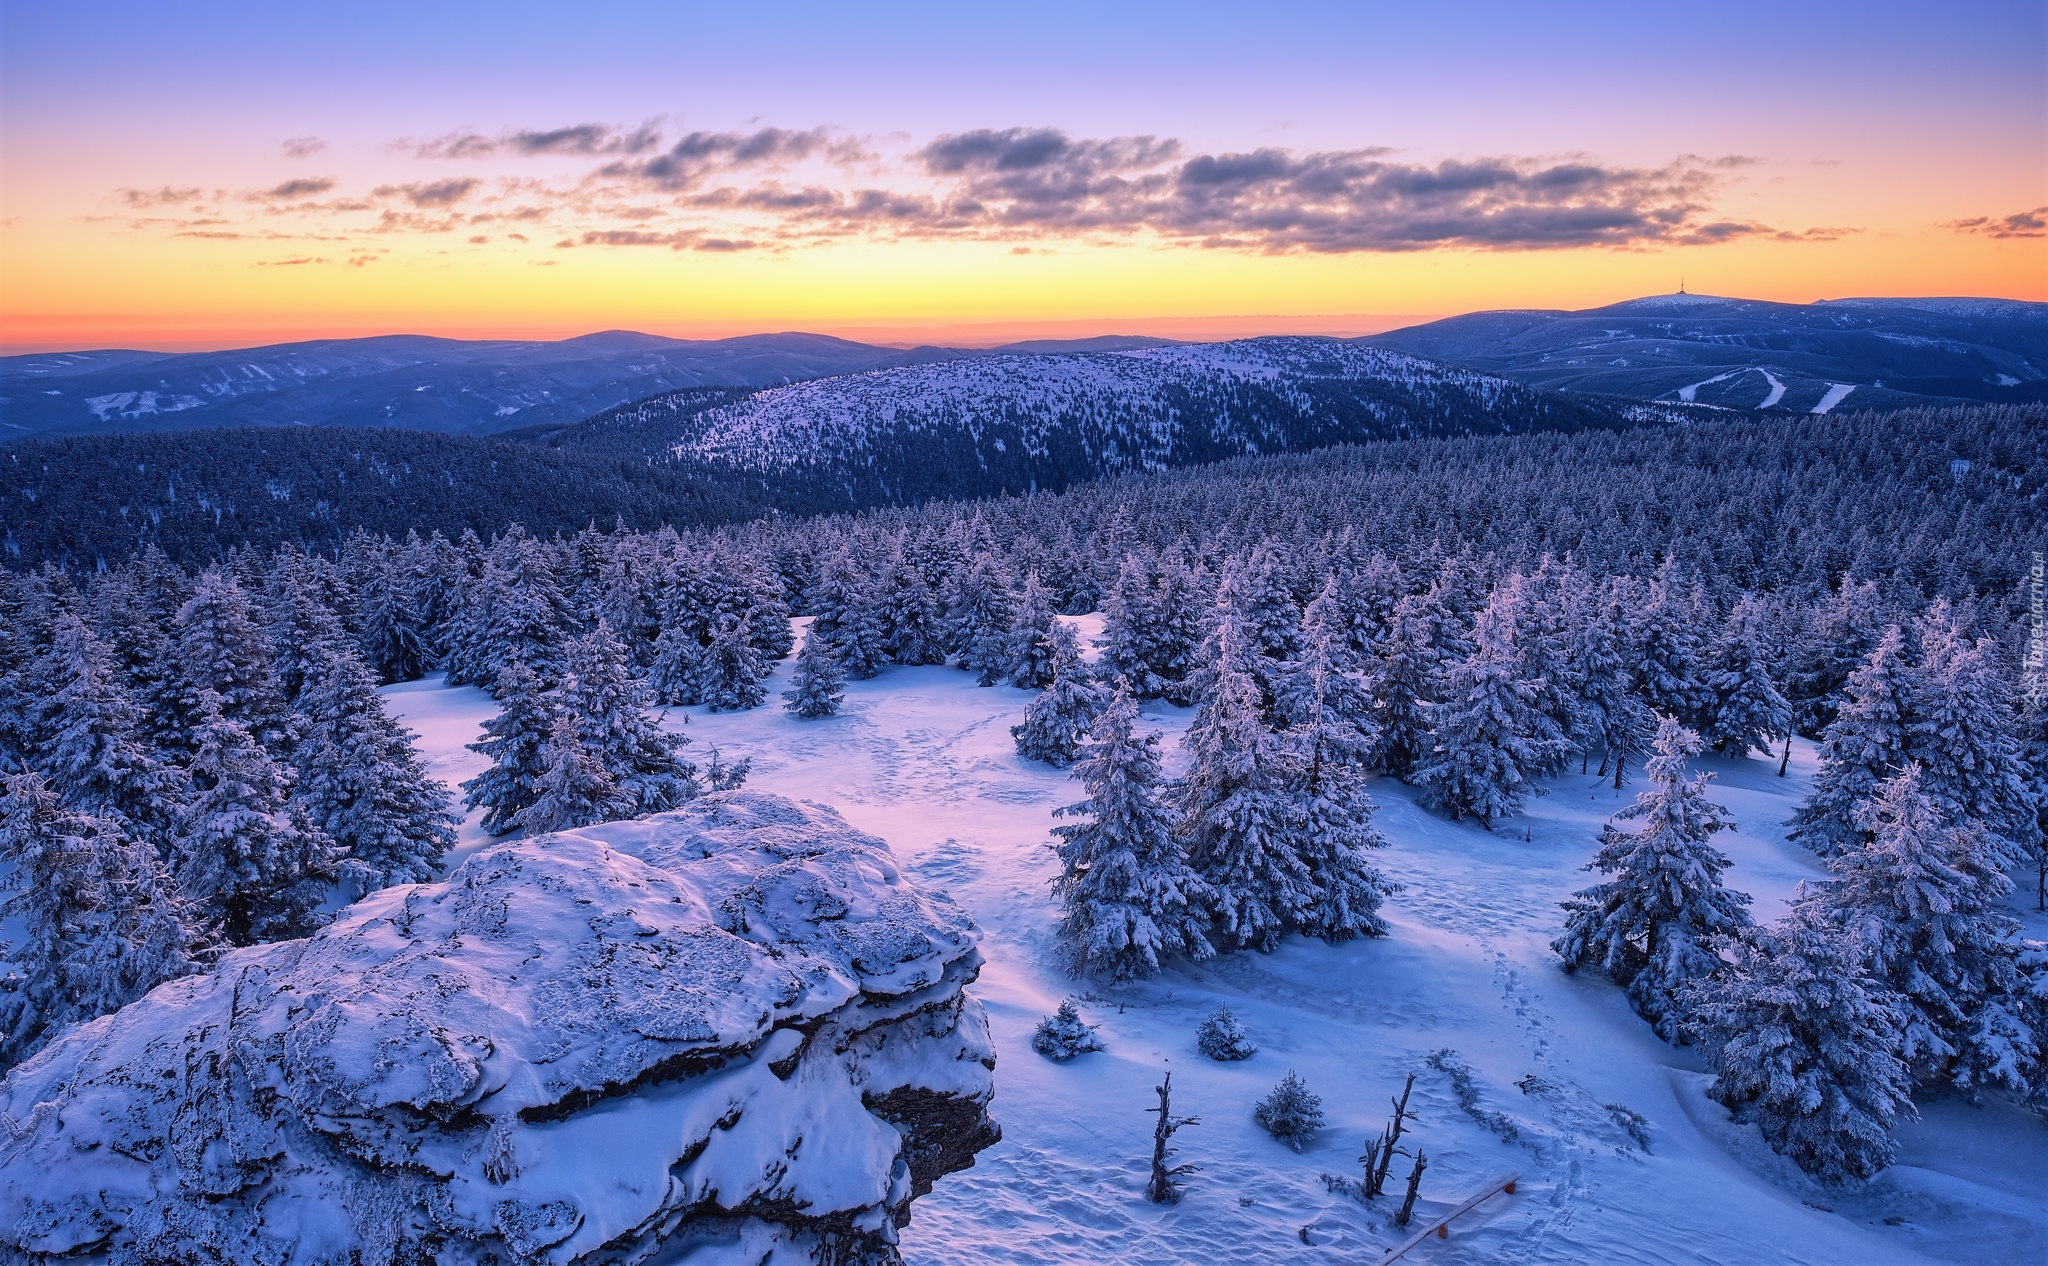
<point>196,754</point>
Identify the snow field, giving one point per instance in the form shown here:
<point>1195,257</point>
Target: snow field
<point>923,758</point>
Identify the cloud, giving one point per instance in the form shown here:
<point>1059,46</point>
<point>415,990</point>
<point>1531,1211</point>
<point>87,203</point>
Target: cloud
<point>165,196</point>
<point>304,187</point>
<point>697,155</point>
<point>302,146</point>
<point>288,263</point>
<point>2032,223</point>
<point>773,188</point>
<point>577,139</point>
<point>436,193</point>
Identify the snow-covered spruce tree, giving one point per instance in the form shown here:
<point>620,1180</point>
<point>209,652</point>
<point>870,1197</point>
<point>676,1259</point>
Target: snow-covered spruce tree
<point>1222,1037</point>
<point>817,687</point>
<point>1258,588</point>
<point>730,675</point>
<point>1611,715</point>
<point>845,614</point>
<point>100,922</point>
<point>1925,902</point>
<point>88,737</point>
<point>1127,894</point>
<point>302,619</point>
<point>980,619</point>
<point>361,782</point>
<point>1804,1044</point>
<point>1962,735</point>
<point>1540,609</point>
<point>1325,709</point>
<point>1744,711</point>
<point>1184,604</point>
<point>1867,743</point>
<point>609,707</point>
<point>1060,716</point>
<point>1129,615</point>
<point>1063,1036</point>
<point>249,858</point>
<point>674,670</point>
<point>1653,925</point>
<point>1291,1113</point>
<point>528,614</point>
<point>513,740</point>
<point>399,611</point>
<point>913,628</point>
<point>1237,810</point>
<point>1032,633</point>
<point>575,789</point>
<point>1488,739</point>
<point>1665,651</point>
<point>220,652</point>
<point>1402,683</point>
<point>1837,639</point>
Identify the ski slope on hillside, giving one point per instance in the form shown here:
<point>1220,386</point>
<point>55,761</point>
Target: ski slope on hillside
<point>924,759</point>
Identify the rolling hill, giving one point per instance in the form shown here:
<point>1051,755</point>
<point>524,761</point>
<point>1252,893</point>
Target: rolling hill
<point>1748,354</point>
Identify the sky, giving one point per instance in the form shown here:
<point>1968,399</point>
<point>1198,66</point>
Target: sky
<point>224,174</point>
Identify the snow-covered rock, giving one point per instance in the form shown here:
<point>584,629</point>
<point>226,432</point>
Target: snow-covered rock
<point>735,1032</point>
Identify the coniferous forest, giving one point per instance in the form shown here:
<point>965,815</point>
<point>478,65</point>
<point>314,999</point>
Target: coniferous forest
<point>198,758</point>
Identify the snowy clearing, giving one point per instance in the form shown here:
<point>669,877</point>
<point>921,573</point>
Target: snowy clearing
<point>923,758</point>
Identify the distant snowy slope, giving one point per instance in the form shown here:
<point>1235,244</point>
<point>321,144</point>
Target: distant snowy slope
<point>1013,423</point>
<point>1749,354</point>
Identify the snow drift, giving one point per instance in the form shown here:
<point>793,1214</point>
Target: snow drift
<point>734,1032</point>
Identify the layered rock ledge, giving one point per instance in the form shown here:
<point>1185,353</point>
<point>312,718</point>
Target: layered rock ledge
<point>733,1033</point>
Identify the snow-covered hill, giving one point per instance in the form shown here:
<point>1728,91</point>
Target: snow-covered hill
<point>1012,423</point>
<point>1750,354</point>
<point>1553,1066</point>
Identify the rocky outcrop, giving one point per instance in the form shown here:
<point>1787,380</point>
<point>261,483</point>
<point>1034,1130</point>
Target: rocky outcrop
<point>733,1033</point>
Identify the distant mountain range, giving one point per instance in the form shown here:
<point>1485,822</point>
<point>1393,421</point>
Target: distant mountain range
<point>416,383</point>
<point>1747,354</point>
<point>1733,353</point>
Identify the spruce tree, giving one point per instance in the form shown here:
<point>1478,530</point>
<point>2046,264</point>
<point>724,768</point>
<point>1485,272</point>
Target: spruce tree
<point>1402,683</point>
<point>1488,739</point>
<point>88,737</point>
<point>575,789</point>
<point>513,740</point>
<point>1183,605</point>
<point>1804,1045</point>
<point>1665,649</point>
<point>361,782</point>
<point>1867,743</point>
<point>913,629</point>
<point>1962,734</point>
<point>1291,1113</point>
<point>1925,901</point>
<point>610,709</point>
<point>1130,614</point>
<point>221,653</point>
<point>730,675</point>
<point>1324,707</point>
<point>1061,714</point>
<point>248,857</point>
<point>846,616</point>
<point>1744,710</point>
<point>99,921</point>
<point>1653,925</point>
<point>817,687</point>
<point>1223,1038</point>
<point>981,620</point>
<point>1237,812</point>
<point>1032,633</point>
<point>1128,896</point>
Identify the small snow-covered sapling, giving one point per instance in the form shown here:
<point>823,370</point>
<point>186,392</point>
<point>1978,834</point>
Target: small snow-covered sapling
<point>1223,1038</point>
<point>1291,1113</point>
<point>1063,1036</point>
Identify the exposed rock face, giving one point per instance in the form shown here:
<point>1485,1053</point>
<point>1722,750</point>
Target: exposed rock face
<point>733,1033</point>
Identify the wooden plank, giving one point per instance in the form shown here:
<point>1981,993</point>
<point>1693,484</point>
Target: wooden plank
<point>1441,1228</point>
